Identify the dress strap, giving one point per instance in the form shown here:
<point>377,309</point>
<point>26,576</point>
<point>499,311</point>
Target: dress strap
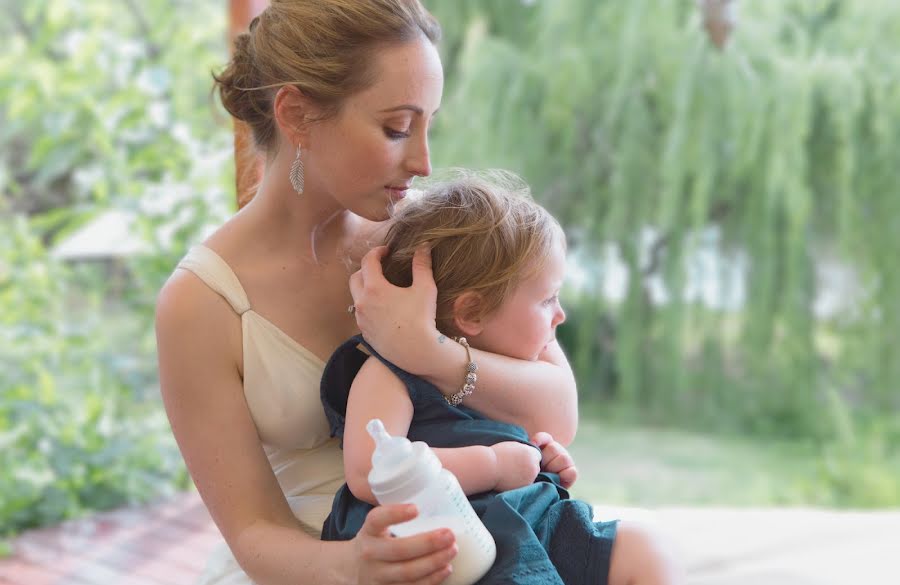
<point>215,272</point>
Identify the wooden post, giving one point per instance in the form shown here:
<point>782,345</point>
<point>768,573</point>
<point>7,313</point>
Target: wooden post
<point>248,165</point>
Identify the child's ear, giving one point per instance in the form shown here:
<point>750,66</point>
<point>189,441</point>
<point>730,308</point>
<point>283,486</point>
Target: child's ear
<point>467,313</point>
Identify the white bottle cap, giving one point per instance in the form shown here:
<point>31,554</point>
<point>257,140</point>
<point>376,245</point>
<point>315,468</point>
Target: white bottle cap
<point>399,468</point>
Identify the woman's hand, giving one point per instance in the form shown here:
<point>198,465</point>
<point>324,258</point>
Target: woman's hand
<point>398,322</point>
<point>421,559</point>
<point>517,465</point>
<point>556,459</point>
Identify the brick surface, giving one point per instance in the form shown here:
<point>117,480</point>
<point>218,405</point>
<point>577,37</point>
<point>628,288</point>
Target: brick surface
<point>168,544</point>
<point>164,544</point>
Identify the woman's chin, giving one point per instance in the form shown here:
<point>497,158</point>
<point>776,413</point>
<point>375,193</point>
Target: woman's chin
<point>375,213</point>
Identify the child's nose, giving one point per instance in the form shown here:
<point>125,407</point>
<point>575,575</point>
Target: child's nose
<point>560,316</point>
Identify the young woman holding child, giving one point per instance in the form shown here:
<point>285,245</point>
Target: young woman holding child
<point>339,95</point>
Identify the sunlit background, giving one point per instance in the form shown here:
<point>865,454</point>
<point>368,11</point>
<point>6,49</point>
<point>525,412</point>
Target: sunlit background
<point>733,217</point>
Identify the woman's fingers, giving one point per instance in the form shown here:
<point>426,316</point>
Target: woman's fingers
<point>369,272</point>
<point>400,549</point>
<point>432,568</point>
<point>371,262</point>
<point>380,518</point>
<point>356,285</point>
<point>395,550</point>
<point>421,265</point>
<point>422,559</point>
<point>399,322</point>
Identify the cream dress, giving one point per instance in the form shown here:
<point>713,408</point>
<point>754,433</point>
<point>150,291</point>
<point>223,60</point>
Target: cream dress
<point>281,386</point>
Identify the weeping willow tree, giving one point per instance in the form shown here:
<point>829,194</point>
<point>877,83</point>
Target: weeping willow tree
<point>642,135</point>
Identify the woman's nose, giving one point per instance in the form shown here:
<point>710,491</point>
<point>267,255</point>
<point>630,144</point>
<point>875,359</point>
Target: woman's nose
<point>418,161</point>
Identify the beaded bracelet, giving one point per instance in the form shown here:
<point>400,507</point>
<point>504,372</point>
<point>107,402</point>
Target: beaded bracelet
<point>469,385</point>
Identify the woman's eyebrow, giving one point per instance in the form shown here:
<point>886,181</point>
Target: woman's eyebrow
<point>410,107</point>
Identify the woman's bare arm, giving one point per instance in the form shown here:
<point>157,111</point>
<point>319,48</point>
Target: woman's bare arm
<point>538,395</point>
<point>399,323</point>
<point>198,339</point>
<point>199,343</point>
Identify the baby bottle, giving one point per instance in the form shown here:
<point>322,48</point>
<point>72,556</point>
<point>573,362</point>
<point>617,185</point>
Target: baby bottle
<point>410,473</point>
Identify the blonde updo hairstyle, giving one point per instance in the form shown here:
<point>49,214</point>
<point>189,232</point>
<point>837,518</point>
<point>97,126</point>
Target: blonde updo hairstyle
<point>324,48</point>
<point>486,235</point>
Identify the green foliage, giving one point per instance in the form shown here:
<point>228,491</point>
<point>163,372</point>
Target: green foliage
<point>77,431</point>
<point>646,466</point>
<point>114,97</point>
<point>620,114</point>
<point>627,121</point>
<point>104,105</point>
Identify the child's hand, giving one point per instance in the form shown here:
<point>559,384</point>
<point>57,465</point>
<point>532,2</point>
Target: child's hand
<point>556,459</point>
<point>517,465</point>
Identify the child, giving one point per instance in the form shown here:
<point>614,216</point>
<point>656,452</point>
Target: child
<point>498,261</point>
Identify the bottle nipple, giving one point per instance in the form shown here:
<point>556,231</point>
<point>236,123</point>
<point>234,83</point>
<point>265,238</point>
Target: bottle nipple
<point>388,450</point>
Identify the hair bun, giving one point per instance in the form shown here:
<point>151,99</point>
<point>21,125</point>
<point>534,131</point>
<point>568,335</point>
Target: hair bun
<point>238,82</point>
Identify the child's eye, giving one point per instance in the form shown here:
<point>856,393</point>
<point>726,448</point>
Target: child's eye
<point>551,300</point>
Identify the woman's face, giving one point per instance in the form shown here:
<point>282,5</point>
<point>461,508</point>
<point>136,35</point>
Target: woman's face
<point>366,157</point>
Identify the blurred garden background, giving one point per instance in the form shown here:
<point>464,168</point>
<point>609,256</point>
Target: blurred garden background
<point>733,217</point>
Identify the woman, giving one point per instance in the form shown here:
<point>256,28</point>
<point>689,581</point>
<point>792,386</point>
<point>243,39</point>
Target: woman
<point>339,95</point>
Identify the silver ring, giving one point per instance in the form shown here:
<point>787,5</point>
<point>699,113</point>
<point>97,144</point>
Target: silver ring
<point>351,309</point>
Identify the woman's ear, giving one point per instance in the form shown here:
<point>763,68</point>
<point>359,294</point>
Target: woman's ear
<point>292,113</point>
<point>467,313</point>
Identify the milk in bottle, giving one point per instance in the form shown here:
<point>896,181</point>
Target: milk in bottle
<point>410,473</point>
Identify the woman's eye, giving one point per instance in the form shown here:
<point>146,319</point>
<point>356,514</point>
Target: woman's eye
<point>395,134</point>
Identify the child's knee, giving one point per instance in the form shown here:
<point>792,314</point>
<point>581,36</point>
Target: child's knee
<point>642,556</point>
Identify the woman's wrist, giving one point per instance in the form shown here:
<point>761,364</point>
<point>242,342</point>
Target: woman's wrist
<point>345,568</point>
<point>446,361</point>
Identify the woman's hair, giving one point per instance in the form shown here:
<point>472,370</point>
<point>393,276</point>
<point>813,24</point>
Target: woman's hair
<point>486,235</point>
<point>325,48</point>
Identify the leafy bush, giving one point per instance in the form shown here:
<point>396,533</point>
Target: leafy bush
<point>76,433</point>
<point>642,136</point>
<point>105,105</point>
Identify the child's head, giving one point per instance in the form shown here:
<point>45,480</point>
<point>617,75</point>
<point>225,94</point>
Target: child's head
<point>498,260</point>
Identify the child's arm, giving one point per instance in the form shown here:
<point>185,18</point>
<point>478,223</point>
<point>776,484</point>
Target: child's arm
<point>378,393</point>
<point>375,393</point>
<point>501,467</point>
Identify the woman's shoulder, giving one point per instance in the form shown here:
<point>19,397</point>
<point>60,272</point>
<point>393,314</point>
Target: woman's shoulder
<point>192,319</point>
<point>186,299</point>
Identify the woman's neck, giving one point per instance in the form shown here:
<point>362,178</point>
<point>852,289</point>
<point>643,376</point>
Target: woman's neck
<point>301,222</point>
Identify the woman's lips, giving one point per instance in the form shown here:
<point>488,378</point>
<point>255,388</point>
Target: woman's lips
<point>397,193</point>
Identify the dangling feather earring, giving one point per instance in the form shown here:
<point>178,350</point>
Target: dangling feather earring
<point>297,173</point>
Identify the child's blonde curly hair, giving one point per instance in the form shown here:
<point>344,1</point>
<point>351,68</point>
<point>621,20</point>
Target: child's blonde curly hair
<point>486,235</point>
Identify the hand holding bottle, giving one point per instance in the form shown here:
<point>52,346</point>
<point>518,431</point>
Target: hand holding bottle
<point>410,473</point>
<point>378,557</point>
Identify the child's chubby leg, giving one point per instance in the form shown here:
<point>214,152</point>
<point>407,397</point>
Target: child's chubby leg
<point>640,556</point>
